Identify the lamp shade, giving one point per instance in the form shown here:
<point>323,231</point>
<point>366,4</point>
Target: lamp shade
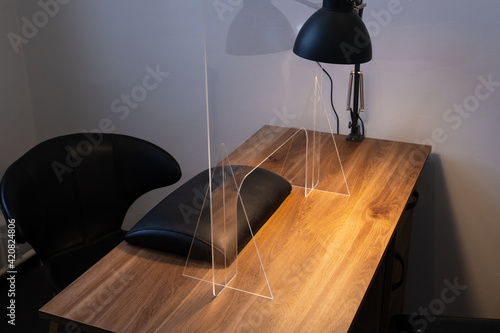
<point>334,34</point>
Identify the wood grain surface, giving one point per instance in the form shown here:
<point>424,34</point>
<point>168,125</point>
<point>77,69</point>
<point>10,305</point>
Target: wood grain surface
<point>320,252</point>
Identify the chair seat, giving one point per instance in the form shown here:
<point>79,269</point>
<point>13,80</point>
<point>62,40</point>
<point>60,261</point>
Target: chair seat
<point>65,267</point>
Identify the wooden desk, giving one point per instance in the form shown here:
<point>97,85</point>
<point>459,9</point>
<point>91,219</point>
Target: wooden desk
<point>320,253</point>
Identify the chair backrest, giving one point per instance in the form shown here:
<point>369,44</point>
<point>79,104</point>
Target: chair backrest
<point>73,190</point>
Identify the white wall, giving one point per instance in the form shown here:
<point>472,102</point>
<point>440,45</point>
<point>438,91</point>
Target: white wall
<point>17,131</point>
<point>16,123</point>
<point>89,64</point>
<point>430,58</point>
<point>428,84</point>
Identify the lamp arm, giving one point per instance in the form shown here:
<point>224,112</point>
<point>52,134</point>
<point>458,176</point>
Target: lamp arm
<point>360,6</point>
<point>356,134</point>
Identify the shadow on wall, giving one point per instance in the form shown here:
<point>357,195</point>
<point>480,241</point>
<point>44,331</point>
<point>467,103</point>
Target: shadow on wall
<point>259,28</point>
<point>437,281</point>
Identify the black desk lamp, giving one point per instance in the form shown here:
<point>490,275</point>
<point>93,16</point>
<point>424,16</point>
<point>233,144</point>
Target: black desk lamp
<point>336,34</point>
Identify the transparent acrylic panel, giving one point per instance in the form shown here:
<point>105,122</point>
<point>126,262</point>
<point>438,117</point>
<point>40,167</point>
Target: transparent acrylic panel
<point>228,269</point>
<point>265,109</point>
<point>302,153</point>
<point>222,194</point>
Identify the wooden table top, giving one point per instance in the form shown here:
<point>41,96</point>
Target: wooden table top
<point>320,253</point>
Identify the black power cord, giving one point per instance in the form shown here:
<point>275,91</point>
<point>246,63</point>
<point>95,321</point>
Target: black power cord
<point>362,126</point>
<point>331,95</point>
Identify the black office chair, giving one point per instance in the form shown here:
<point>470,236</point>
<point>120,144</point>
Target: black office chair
<point>69,196</point>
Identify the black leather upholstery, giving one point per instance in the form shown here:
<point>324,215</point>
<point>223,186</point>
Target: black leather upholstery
<point>170,226</point>
<point>69,196</point>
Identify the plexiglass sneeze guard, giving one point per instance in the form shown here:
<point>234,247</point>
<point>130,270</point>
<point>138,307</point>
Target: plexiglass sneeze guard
<point>264,110</point>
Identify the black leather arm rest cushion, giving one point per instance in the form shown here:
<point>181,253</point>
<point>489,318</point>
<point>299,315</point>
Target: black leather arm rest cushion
<point>170,225</point>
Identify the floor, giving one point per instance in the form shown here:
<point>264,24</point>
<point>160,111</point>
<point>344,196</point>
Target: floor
<point>31,293</point>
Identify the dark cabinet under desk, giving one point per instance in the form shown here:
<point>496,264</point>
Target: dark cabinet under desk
<point>385,296</point>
